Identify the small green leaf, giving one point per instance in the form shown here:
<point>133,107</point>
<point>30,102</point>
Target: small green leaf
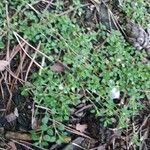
<point>59,141</point>
<point>1,45</point>
<point>45,120</point>
<point>53,139</point>
<point>46,138</point>
<point>61,127</point>
<point>44,143</point>
<point>50,132</point>
<point>44,127</point>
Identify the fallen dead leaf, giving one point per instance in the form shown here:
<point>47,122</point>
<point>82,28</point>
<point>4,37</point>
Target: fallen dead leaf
<point>12,146</point>
<point>81,127</point>
<point>12,116</point>
<point>24,136</point>
<point>102,147</point>
<point>35,123</point>
<point>59,67</point>
<point>3,64</point>
<point>72,145</point>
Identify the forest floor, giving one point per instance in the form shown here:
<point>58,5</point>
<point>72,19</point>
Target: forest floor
<point>71,78</point>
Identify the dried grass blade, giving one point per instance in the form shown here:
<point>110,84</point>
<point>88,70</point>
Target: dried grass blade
<point>26,52</point>
<point>35,54</point>
<point>17,35</point>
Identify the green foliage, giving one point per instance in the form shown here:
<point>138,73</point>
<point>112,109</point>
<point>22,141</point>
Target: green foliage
<point>114,64</point>
<point>49,133</point>
<point>94,67</point>
<point>1,45</point>
<point>135,10</point>
<point>124,69</point>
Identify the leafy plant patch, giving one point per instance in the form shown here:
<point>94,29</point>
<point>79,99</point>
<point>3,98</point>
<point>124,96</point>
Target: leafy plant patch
<point>79,63</point>
<point>97,71</point>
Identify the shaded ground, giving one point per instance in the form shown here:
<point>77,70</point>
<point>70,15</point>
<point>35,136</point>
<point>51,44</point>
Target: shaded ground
<point>86,131</point>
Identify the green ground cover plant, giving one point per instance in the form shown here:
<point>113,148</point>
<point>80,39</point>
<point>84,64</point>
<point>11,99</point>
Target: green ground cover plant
<point>96,70</point>
<point>93,66</point>
<point>135,10</point>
